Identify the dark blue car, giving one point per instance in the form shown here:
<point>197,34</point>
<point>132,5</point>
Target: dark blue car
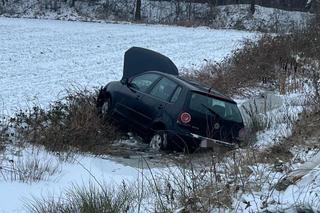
<point>167,110</point>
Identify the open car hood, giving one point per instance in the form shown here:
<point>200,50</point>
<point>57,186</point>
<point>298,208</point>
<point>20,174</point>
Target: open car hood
<point>138,60</point>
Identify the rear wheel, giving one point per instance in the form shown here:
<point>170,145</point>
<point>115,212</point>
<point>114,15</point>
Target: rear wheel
<point>159,141</point>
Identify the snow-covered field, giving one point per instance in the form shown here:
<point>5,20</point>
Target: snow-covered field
<point>40,58</point>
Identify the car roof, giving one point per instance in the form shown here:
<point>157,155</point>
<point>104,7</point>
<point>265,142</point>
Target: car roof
<point>195,86</point>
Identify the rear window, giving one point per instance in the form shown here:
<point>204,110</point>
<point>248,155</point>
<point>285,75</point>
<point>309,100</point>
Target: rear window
<point>209,105</point>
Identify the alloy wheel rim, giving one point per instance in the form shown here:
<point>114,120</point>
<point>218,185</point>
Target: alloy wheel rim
<point>156,142</point>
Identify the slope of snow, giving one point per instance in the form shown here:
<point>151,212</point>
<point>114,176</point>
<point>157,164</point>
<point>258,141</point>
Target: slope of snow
<point>79,170</point>
<point>40,58</point>
<point>302,194</point>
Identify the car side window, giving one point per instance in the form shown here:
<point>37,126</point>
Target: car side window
<point>164,89</point>
<point>143,82</point>
<point>176,95</point>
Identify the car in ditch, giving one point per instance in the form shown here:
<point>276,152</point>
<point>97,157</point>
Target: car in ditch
<point>169,111</point>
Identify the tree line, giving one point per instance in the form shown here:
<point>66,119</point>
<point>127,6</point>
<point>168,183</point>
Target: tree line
<point>132,9</point>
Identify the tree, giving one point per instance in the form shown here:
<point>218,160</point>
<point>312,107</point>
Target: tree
<point>71,3</point>
<point>252,7</point>
<point>314,6</point>
<point>137,15</point>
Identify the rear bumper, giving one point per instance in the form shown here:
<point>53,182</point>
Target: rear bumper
<point>210,142</point>
<point>184,136</point>
<point>195,140</point>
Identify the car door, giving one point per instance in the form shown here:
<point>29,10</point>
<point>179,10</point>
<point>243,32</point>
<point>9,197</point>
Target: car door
<point>131,93</point>
<point>156,102</point>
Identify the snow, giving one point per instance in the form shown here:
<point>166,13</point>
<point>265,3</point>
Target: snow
<point>40,58</point>
<point>303,193</point>
<point>230,16</point>
<point>79,170</point>
<point>277,112</point>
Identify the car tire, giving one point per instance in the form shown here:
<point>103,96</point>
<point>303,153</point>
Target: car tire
<point>159,141</point>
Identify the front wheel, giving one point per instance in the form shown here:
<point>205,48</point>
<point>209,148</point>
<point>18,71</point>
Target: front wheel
<point>106,107</point>
<point>159,141</point>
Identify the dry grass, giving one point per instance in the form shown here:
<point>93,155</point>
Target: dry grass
<point>271,60</point>
<point>306,131</point>
<point>28,169</point>
<point>88,199</point>
<point>69,123</point>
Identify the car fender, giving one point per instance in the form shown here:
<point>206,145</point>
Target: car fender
<point>164,119</point>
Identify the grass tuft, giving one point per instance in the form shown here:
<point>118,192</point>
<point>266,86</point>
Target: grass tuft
<point>87,199</point>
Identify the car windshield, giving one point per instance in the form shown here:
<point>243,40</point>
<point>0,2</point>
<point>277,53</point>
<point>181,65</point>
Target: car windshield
<point>207,104</point>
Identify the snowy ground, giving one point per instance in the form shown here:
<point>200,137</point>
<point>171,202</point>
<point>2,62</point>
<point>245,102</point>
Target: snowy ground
<point>79,170</point>
<point>40,58</point>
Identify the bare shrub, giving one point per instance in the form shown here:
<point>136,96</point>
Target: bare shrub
<point>212,181</point>
<point>257,62</point>
<point>272,60</point>
<point>306,130</point>
<point>202,183</point>
<point>69,123</point>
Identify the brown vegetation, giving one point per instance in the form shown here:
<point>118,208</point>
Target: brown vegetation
<point>270,60</point>
<point>69,123</point>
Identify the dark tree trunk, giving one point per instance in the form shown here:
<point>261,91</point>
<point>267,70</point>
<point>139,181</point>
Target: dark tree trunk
<point>72,3</point>
<point>316,5</point>
<point>137,15</point>
<point>252,6</point>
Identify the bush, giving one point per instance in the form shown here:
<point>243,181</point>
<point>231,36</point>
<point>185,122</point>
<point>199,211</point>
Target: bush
<point>69,123</point>
<point>271,60</point>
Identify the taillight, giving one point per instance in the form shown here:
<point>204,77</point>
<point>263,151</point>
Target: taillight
<point>242,133</point>
<point>185,118</point>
